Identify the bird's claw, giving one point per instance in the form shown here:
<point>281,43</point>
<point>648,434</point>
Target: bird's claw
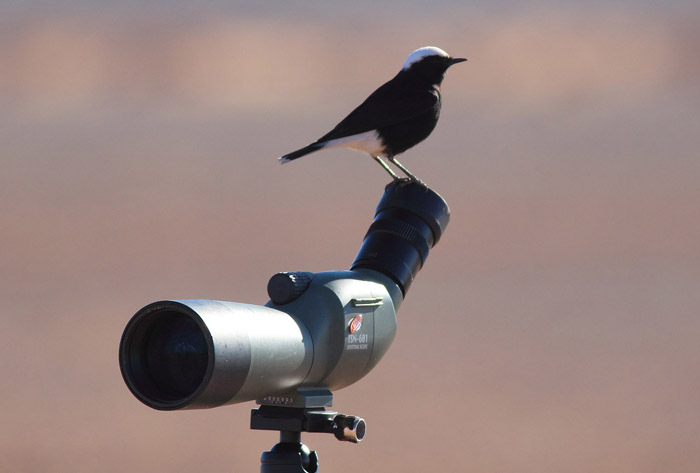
<point>404,181</point>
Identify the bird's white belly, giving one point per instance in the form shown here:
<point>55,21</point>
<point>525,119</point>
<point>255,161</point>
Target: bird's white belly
<point>368,142</point>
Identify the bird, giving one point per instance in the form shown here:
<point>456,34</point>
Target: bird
<point>397,116</point>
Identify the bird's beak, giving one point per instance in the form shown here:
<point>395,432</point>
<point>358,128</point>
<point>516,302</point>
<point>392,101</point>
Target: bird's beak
<point>455,60</point>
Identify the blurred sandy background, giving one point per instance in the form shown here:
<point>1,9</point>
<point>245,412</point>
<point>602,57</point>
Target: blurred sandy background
<point>554,328</point>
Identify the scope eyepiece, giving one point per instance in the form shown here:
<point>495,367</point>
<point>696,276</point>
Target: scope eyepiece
<point>409,221</point>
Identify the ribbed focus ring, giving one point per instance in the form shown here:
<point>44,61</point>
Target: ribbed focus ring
<point>404,231</point>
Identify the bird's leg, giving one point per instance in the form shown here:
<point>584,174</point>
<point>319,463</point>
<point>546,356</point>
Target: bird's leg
<point>386,167</point>
<point>406,171</point>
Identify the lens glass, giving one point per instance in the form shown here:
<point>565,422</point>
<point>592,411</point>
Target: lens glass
<point>175,356</point>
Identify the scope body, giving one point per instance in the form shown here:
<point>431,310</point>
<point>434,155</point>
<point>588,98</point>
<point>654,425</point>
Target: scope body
<point>191,354</point>
<point>319,332</point>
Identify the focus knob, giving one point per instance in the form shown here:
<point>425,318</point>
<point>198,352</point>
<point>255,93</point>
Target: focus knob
<point>283,288</point>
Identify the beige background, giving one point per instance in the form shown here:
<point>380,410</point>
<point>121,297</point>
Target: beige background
<point>553,329</point>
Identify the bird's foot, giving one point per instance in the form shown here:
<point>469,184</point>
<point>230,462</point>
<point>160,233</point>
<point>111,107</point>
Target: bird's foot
<point>411,176</point>
<point>420,183</point>
<point>404,181</point>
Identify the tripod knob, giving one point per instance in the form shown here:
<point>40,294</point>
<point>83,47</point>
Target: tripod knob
<point>349,428</point>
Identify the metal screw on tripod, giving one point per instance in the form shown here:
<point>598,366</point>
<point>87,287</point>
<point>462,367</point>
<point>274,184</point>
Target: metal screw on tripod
<point>349,428</point>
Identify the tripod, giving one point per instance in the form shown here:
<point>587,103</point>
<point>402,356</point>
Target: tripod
<point>290,455</point>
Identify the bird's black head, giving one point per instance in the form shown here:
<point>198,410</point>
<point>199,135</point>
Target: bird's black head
<point>429,63</point>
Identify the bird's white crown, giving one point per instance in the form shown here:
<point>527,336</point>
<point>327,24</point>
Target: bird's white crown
<point>421,53</point>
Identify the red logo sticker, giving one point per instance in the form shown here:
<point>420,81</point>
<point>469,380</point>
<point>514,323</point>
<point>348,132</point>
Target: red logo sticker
<point>355,323</point>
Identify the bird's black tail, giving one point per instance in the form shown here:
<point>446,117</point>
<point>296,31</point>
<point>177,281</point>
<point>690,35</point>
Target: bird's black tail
<point>300,152</point>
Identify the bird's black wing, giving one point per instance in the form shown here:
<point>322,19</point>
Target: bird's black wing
<point>392,103</point>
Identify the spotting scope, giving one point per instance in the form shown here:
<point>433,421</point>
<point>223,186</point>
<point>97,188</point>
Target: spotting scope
<point>319,332</point>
